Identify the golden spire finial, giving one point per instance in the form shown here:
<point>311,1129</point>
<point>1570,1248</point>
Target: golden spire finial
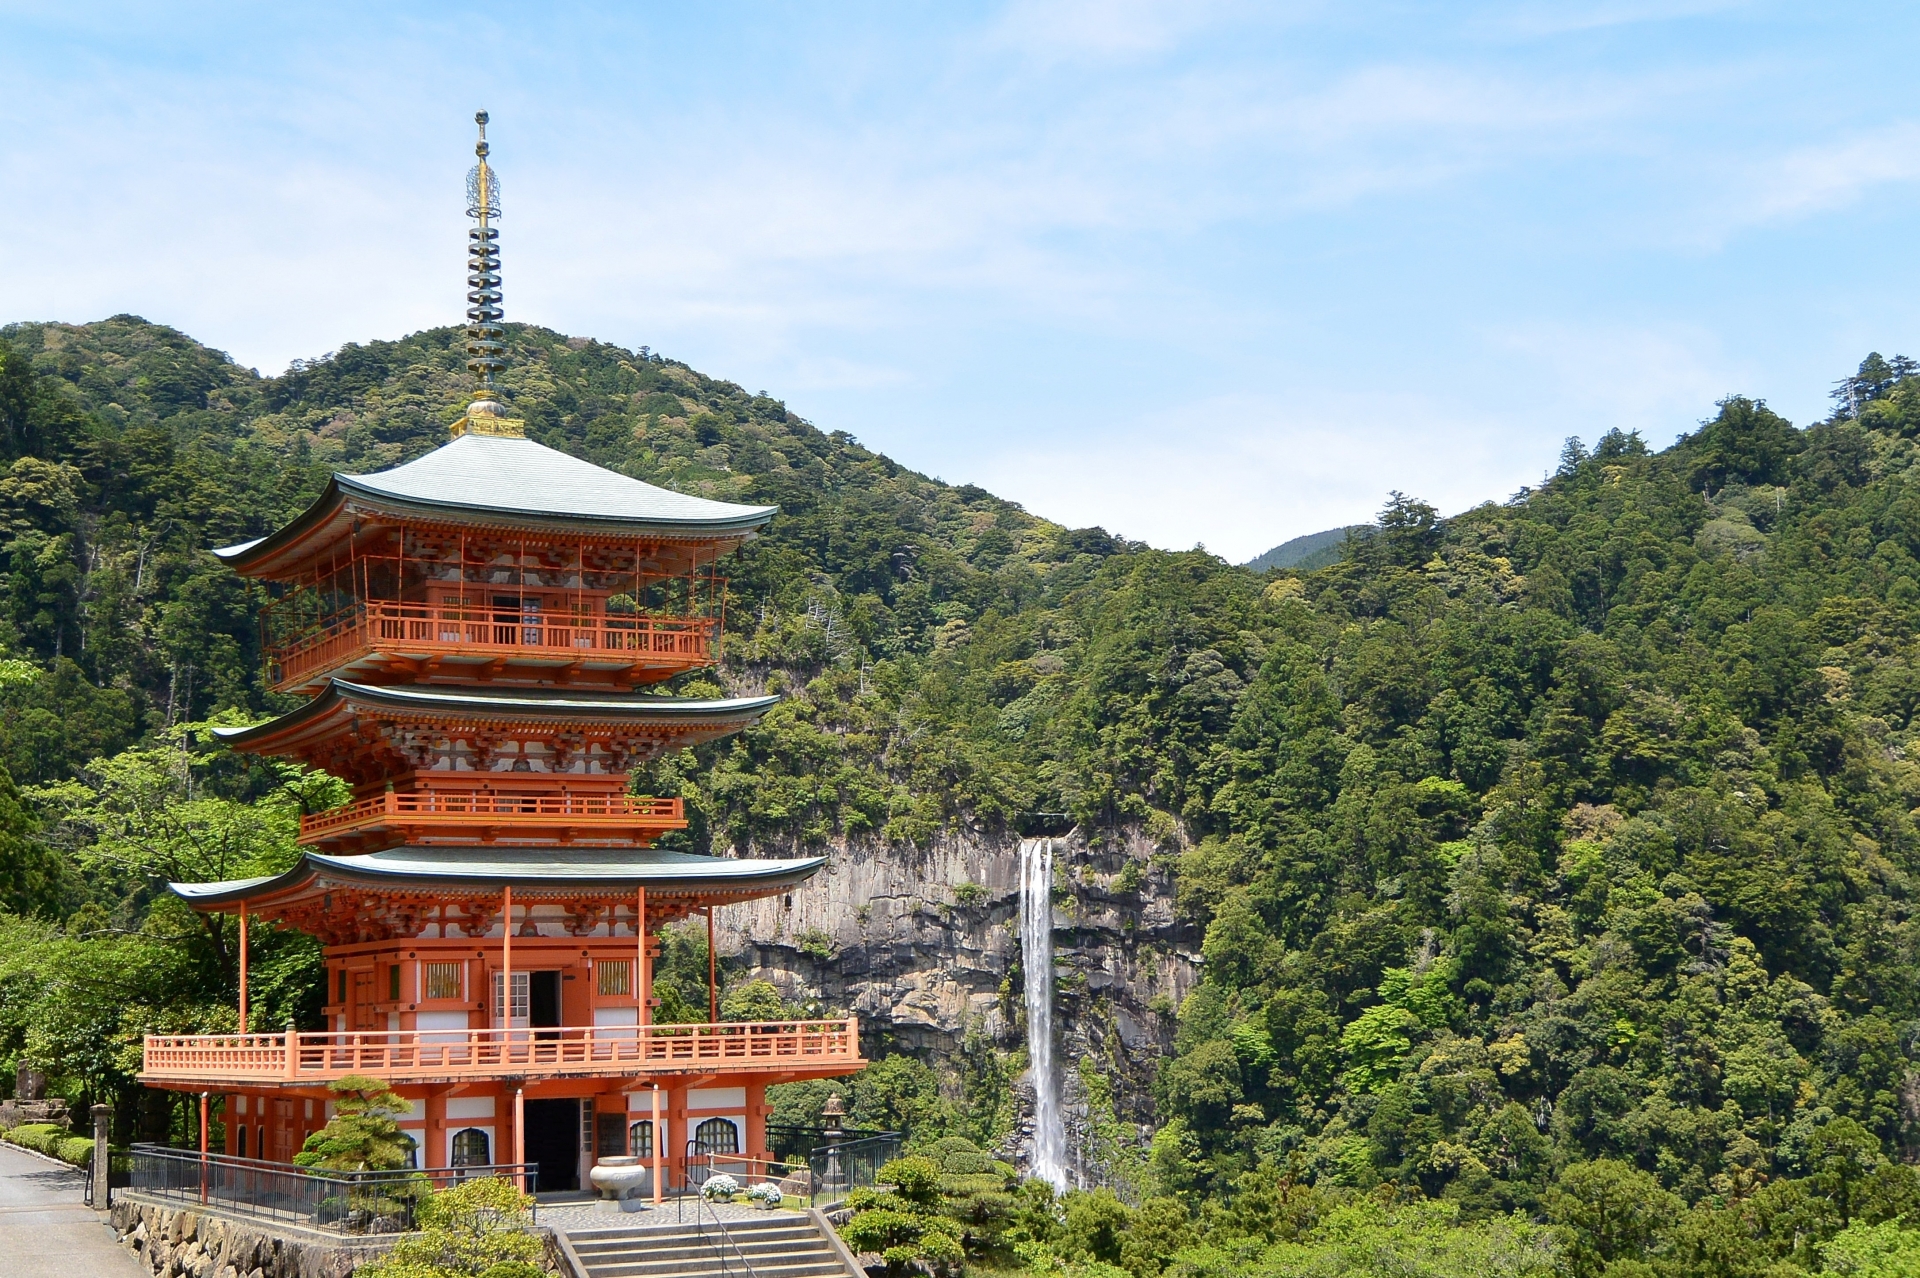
<point>486,345</point>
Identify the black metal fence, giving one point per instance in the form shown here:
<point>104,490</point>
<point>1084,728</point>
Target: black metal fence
<point>831,1168</point>
<point>794,1144</point>
<point>337,1202</point>
<point>838,1169</point>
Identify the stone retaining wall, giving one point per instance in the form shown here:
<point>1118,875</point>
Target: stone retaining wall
<point>186,1242</point>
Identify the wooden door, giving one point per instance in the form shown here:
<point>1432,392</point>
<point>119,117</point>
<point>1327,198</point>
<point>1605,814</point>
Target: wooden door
<point>363,1018</point>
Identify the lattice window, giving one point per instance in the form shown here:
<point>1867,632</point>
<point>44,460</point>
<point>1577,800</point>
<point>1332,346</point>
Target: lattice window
<point>443,980</point>
<point>716,1136</point>
<point>615,976</point>
<point>640,1139</point>
<point>471,1148</point>
<point>522,996</point>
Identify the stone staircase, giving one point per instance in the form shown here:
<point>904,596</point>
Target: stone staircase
<point>786,1245</point>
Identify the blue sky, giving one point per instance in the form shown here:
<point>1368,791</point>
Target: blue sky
<point>1199,272</point>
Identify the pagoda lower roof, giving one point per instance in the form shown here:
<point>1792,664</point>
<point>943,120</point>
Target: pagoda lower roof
<point>533,873</point>
<point>691,720</point>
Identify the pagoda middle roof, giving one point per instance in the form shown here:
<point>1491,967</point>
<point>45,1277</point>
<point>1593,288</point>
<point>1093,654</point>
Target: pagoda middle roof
<point>536,870</point>
<point>530,705</point>
<point>492,480</point>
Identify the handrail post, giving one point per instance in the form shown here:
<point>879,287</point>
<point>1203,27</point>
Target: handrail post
<point>293,1051</point>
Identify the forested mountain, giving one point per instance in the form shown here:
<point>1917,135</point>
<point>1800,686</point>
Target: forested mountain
<point>1557,858</point>
<point>1314,550</point>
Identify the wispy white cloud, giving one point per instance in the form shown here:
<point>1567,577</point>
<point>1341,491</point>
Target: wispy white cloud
<point>1107,30</point>
<point>1241,474</point>
<point>1658,381</point>
<point>1047,226</point>
<point>1562,17</point>
<point>1832,175</point>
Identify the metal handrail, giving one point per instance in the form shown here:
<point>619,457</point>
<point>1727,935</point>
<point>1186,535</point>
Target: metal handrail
<point>333,1201</point>
<point>726,1237</point>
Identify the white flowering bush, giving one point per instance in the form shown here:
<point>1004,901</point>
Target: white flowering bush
<point>766,1193</point>
<point>720,1189</point>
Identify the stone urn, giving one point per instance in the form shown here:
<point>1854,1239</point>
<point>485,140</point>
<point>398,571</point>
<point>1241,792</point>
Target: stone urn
<point>623,1181</point>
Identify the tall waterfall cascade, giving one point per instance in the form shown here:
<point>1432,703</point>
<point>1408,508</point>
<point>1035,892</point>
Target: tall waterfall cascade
<point>1036,961</point>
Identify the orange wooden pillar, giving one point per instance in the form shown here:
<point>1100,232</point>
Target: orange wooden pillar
<point>244,1027</point>
<point>677,1132</point>
<point>756,1143</point>
<point>519,1121</point>
<point>643,971</point>
<point>433,1153</point>
<point>659,1147</point>
<point>203,1147</point>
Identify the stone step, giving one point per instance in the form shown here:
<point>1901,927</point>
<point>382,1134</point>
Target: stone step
<point>588,1244</point>
<point>784,1223</point>
<point>775,1248</point>
<point>664,1255</point>
<point>650,1256</point>
<point>826,1267</point>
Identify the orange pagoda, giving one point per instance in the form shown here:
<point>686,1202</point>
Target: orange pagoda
<point>473,632</point>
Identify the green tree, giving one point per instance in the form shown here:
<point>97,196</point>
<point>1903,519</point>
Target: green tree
<point>1608,1211</point>
<point>362,1134</point>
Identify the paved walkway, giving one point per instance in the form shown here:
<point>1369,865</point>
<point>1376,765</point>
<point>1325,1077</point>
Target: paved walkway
<point>46,1228</point>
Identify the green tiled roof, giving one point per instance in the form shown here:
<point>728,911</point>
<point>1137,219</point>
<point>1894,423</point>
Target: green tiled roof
<point>520,482</point>
<point>537,869</point>
<point>532,704</point>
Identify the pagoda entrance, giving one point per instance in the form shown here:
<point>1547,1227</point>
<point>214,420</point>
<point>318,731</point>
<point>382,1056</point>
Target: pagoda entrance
<point>553,1142</point>
<point>543,1003</point>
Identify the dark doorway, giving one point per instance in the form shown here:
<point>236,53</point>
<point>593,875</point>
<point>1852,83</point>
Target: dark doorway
<point>543,1002</point>
<point>553,1142</point>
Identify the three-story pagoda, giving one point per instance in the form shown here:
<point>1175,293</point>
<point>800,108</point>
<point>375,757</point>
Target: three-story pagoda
<point>474,631</point>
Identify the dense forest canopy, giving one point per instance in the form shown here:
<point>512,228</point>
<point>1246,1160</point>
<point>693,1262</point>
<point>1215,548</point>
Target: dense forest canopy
<point>1554,861</point>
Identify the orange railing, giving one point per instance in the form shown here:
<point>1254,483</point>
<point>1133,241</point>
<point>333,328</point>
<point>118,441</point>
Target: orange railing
<point>669,641</point>
<point>400,1055</point>
<point>428,807</point>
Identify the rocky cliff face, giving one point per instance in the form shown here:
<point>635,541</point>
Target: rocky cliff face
<point>925,946</point>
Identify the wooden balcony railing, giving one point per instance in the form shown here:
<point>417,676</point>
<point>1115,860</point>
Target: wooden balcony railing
<point>818,1048</point>
<point>664,643</point>
<point>455,809</point>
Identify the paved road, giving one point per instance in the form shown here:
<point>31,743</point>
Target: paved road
<point>46,1228</point>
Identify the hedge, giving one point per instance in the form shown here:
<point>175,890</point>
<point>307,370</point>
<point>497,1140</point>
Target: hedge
<point>53,1140</point>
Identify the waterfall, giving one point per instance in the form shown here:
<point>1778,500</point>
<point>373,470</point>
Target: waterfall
<point>1036,960</point>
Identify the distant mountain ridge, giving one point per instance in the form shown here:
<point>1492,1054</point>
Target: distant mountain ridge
<point>1315,550</point>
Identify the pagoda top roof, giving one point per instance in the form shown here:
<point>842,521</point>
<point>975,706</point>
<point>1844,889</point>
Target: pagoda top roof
<point>533,871</point>
<point>505,481</point>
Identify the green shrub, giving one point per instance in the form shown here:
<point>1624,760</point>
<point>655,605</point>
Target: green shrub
<point>40,1137</point>
<point>54,1141</point>
<point>476,1230</point>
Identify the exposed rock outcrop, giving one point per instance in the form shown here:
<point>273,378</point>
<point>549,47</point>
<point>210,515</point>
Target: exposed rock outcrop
<point>924,945</point>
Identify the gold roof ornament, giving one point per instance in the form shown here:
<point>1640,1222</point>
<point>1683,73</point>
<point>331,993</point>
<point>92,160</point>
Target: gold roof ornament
<point>488,417</point>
